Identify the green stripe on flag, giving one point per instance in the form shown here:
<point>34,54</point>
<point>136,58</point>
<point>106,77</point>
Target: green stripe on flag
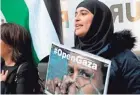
<point>16,11</point>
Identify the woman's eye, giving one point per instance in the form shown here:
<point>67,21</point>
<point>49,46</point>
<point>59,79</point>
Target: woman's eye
<point>83,13</point>
<point>75,14</point>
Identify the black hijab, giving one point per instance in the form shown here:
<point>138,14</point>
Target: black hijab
<point>101,29</point>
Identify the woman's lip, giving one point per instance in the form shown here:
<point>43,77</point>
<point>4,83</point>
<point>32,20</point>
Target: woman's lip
<point>78,26</point>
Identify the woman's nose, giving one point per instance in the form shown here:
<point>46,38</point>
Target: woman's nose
<point>77,18</point>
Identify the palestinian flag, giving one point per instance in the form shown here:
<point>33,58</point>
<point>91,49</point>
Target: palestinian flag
<point>34,16</point>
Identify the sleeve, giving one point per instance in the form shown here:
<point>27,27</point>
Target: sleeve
<point>25,80</point>
<point>3,87</point>
<point>131,72</point>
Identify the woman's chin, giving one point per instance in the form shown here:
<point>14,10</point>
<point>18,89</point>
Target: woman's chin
<point>78,33</point>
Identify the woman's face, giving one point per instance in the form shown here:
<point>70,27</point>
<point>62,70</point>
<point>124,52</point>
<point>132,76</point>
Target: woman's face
<point>83,20</point>
<point>5,49</point>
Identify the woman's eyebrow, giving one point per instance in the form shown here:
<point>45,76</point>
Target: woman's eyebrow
<point>83,11</point>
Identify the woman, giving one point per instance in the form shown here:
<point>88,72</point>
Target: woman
<point>94,34</point>
<point>16,50</point>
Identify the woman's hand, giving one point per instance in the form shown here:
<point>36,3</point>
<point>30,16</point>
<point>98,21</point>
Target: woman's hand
<point>3,76</point>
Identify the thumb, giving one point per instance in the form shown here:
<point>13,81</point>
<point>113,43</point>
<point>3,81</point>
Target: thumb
<point>2,72</point>
<point>6,73</point>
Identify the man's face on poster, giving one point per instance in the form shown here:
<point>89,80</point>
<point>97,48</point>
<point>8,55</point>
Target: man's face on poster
<point>84,79</point>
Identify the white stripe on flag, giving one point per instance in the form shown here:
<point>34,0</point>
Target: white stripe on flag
<point>41,27</point>
<point>2,18</point>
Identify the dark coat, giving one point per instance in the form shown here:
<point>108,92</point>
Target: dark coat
<point>125,74</point>
<point>27,78</point>
<point>125,67</point>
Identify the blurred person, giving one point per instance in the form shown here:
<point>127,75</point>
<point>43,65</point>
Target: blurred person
<point>16,50</point>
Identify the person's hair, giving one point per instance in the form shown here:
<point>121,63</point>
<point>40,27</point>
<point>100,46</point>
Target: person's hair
<point>19,39</point>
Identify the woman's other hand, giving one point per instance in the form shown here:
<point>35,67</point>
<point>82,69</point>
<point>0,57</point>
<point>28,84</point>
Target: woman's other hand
<point>3,75</point>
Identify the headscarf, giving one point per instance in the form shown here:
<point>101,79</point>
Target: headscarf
<point>101,29</point>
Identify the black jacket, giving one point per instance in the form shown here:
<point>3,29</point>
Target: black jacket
<point>27,78</point>
<point>125,67</point>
